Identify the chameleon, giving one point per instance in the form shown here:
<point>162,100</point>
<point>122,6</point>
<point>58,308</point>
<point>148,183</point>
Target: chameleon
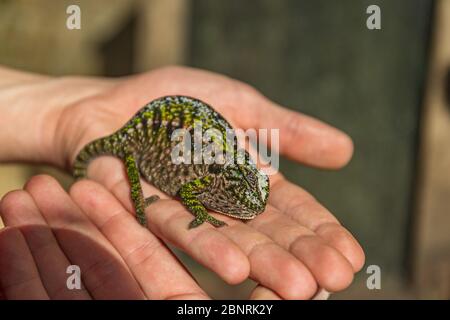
<point>144,144</point>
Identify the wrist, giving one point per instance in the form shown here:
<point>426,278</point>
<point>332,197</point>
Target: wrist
<point>30,111</point>
<point>10,77</point>
<point>21,118</point>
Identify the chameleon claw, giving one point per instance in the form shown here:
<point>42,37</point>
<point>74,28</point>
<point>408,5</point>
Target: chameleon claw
<point>216,223</point>
<point>148,201</point>
<point>142,220</point>
<point>195,223</point>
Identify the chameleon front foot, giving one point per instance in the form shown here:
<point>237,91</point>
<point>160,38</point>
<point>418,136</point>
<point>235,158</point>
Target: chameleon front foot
<point>188,194</point>
<point>149,200</point>
<point>195,223</point>
<point>216,223</point>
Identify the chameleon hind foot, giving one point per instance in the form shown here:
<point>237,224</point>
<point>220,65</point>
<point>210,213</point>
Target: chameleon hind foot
<point>141,216</point>
<point>137,195</point>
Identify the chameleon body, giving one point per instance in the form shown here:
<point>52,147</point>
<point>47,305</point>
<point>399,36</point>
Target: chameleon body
<point>145,145</point>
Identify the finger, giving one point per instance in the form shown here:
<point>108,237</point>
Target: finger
<point>302,138</point>
<point>168,219</point>
<point>19,210</point>
<point>110,172</point>
<point>341,239</point>
<point>103,271</point>
<point>269,264</point>
<point>210,248</point>
<point>302,285</point>
<point>157,270</point>
<point>263,293</point>
<point>322,294</point>
<point>303,208</point>
<point>330,269</point>
<point>19,277</point>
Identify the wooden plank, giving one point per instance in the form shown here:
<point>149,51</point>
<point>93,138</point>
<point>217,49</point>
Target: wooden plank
<point>431,250</point>
<point>162,33</point>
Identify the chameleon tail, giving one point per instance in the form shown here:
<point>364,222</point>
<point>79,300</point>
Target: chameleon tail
<point>102,146</point>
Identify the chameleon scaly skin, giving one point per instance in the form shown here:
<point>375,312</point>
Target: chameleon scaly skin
<point>144,144</point>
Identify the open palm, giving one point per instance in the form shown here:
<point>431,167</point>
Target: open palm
<point>295,247</point>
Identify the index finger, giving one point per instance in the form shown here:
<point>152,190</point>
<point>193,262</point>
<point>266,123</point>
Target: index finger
<point>157,270</point>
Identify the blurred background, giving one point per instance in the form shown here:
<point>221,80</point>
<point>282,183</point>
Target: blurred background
<point>387,88</point>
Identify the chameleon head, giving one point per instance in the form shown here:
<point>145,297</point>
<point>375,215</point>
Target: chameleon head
<point>240,191</point>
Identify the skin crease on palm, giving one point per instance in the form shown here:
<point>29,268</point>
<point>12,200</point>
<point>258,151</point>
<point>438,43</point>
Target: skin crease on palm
<point>291,250</point>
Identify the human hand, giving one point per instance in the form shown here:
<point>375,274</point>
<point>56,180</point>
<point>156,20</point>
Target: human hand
<point>292,249</point>
<point>46,231</point>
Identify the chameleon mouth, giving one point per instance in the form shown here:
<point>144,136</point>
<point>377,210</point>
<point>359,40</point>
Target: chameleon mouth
<point>240,216</point>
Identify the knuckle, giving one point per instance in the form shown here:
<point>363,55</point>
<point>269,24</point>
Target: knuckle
<point>143,252</point>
